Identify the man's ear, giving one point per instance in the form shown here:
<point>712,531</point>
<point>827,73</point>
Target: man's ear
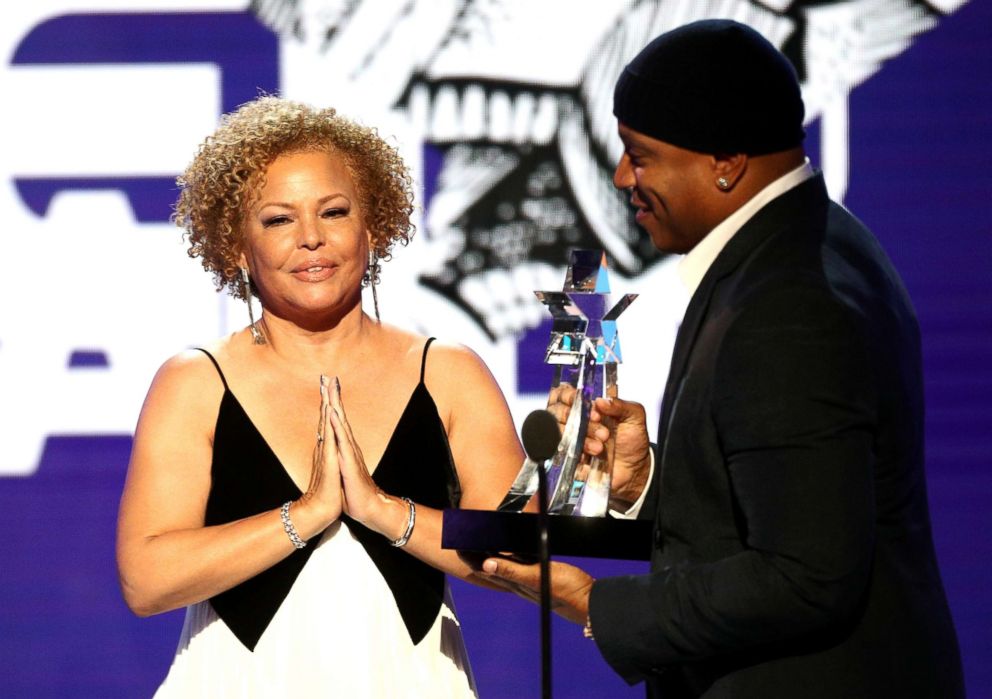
<point>728,168</point>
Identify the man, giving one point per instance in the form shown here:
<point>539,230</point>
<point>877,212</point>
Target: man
<point>793,554</point>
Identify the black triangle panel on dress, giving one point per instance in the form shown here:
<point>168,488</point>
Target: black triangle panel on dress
<point>248,478</point>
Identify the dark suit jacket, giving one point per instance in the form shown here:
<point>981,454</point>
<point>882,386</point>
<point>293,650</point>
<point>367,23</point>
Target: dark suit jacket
<point>793,554</point>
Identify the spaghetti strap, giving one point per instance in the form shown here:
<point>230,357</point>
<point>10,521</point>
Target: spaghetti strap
<point>423,360</point>
<point>217,367</point>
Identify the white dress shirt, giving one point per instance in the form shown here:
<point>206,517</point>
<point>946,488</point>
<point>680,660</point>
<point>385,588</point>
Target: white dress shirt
<point>693,267</point>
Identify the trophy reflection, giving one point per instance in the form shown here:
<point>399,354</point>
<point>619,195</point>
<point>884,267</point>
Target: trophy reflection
<point>584,349</point>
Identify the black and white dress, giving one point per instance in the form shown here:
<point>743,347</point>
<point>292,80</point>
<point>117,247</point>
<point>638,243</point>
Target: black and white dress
<point>347,616</point>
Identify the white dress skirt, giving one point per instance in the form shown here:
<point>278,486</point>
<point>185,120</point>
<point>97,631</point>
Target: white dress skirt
<point>338,633</point>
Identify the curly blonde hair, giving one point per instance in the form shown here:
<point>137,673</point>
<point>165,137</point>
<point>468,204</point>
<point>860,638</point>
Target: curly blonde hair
<point>220,185</point>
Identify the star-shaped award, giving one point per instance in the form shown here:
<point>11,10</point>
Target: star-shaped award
<point>585,349</point>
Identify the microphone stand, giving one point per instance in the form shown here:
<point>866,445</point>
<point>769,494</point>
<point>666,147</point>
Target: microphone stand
<point>541,437</point>
<point>545,567</point>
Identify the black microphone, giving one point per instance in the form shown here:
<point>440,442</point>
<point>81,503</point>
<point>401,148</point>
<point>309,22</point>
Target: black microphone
<point>540,435</point>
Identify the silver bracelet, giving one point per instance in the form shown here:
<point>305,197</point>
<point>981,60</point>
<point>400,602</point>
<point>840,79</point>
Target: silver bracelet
<point>410,521</point>
<point>287,524</point>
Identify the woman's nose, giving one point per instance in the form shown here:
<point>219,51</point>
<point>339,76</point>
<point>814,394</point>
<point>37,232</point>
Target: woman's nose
<point>311,234</point>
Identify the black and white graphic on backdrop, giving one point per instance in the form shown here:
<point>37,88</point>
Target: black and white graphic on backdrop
<point>502,107</point>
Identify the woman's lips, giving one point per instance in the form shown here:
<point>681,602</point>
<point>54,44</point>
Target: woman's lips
<point>314,270</point>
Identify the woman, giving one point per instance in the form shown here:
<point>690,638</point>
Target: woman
<point>304,540</point>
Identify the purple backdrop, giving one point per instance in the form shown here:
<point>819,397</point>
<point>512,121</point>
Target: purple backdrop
<point>919,177</point>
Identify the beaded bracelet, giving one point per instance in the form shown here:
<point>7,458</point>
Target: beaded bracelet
<point>410,521</point>
<point>287,524</point>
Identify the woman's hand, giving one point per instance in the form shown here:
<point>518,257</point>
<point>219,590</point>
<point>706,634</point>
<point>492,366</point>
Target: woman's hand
<point>363,500</point>
<point>324,495</point>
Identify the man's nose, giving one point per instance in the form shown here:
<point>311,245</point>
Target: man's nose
<point>623,176</point>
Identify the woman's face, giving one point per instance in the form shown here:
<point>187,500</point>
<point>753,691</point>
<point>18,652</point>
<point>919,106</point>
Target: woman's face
<point>306,245</point>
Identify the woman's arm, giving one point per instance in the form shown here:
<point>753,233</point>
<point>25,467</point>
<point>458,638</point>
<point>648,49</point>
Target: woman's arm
<point>484,446</point>
<point>166,557</point>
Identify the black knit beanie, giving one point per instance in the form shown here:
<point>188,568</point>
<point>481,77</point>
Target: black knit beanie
<point>713,86</point>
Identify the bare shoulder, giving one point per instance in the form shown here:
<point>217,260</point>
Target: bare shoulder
<point>401,346</point>
<point>459,380</point>
<point>169,471</point>
<point>477,419</point>
<point>190,368</point>
<point>450,362</point>
<point>188,380</point>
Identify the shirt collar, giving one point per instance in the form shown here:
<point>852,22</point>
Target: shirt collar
<point>692,268</point>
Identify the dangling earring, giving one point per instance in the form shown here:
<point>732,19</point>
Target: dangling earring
<point>722,183</point>
<point>257,338</point>
<point>371,278</point>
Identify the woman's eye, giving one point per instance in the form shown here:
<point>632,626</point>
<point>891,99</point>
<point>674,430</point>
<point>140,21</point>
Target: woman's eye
<point>334,213</point>
<point>274,221</point>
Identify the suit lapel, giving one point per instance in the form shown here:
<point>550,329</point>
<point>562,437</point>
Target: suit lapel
<point>788,210</point>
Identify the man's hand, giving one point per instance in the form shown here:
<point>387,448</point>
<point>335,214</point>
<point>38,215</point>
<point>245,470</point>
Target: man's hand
<point>570,586</point>
<point>632,448</point>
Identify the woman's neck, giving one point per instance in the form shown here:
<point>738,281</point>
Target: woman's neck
<point>329,342</point>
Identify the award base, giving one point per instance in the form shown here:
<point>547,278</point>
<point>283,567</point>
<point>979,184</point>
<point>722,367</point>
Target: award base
<point>476,534</point>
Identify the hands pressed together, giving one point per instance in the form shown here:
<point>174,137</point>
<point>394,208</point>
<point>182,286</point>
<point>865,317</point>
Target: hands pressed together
<point>340,482</point>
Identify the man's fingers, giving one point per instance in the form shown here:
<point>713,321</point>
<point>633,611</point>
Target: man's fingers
<point>510,571</point>
<point>560,412</point>
<point>519,590</point>
<point>524,580</point>
<point>614,407</point>
<point>491,566</point>
<point>569,585</point>
<point>598,432</point>
<point>620,409</point>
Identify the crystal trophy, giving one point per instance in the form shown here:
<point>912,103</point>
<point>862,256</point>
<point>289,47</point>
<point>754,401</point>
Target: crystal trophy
<point>584,349</point>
